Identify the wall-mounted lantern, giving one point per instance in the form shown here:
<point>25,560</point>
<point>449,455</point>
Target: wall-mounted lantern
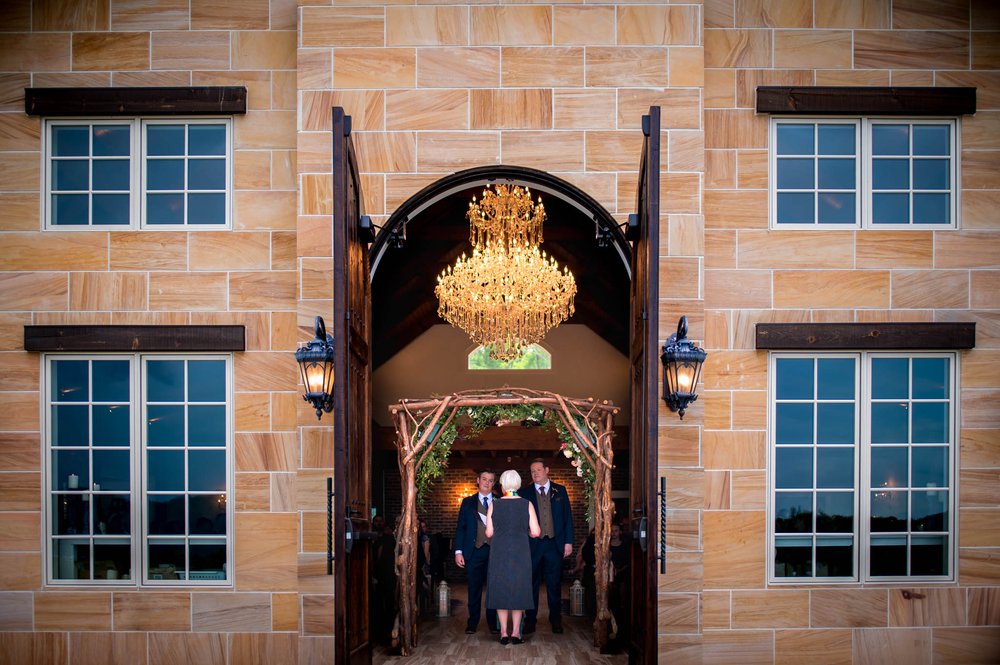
<point>682,362</point>
<point>315,361</point>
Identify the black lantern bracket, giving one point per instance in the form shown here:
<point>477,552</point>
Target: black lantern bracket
<point>315,361</point>
<point>682,362</point>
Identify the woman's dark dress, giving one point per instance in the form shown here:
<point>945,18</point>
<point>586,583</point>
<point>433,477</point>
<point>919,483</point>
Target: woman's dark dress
<point>509,576</point>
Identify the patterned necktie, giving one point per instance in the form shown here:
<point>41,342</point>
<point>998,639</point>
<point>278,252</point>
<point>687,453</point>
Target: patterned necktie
<point>542,490</point>
<point>486,503</point>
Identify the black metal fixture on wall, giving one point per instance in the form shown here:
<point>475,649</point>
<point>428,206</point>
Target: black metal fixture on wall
<point>315,361</point>
<point>662,556</point>
<point>682,361</point>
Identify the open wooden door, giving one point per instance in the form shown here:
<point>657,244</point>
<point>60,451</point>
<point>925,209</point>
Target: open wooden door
<point>351,330</point>
<point>644,233</point>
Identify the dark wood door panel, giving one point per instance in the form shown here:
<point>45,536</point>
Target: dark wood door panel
<point>643,340</point>
<point>351,329</point>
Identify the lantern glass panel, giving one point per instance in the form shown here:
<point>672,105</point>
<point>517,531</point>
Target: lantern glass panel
<point>670,374</point>
<point>302,373</point>
<point>314,377</point>
<point>328,377</point>
<point>685,377</point>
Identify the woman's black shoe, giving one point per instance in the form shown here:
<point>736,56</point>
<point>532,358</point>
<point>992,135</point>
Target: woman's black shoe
<point>505,640</point>
<point>516,640</point>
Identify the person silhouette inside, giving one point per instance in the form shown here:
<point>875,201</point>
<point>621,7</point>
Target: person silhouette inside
<point>510,523</point>
<point>423,581</point>
<point>551,503</point>
<point>384,572</point>
<point>472,548</point>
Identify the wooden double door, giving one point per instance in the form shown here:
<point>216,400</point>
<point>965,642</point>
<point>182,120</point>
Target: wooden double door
<point>352,332</point>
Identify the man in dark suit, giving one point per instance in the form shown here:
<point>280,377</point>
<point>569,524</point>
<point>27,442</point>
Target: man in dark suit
<point>472,548</point>
<point>555,544</point>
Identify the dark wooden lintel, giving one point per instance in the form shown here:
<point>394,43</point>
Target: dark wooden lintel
<point>131,339</point>
<point>204,100</point>
<point>865,336</point>
<point>848,100</point>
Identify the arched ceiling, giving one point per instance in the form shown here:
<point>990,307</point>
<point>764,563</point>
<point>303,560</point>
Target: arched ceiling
<point>403,301</point>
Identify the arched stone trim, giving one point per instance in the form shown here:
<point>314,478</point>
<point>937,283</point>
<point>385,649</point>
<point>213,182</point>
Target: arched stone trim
<point>540,181</point>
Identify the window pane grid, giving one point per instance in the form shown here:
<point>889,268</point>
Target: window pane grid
<point>185,178</point>
<point>815,173</point>
<point>90,524</point>
<point>185,517</point>
<point>903,175</point>
<point>96,175</point>
<point>95,506</point>
<point>89,182</point>
<point>925,193</point>
<point>903,515</point>
<point>815,499</point>
<point>910,472</point>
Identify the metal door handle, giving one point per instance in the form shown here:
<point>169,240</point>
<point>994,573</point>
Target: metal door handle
<point>663,525</point>
<point>348,535</point>
<point>329,526</point>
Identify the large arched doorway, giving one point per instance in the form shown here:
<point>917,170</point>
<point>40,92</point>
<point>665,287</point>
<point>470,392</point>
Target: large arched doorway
<point>613,260</point>
<point>414,352</point>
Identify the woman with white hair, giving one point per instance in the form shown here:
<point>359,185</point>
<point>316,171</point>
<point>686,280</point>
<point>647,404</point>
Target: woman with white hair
<point>510,522</point>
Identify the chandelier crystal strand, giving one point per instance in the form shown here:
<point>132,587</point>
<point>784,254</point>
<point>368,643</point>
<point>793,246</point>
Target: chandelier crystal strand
<point>506,217</point>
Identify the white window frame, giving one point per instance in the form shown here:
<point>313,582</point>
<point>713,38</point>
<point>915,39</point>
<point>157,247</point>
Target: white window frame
<point>137,173</point>
<point>772,466</point>
<point>144,160</point>
<point>138,535</point>
<point>47,168</point>
<point>773,168</point>
<point>862,472</point>
<point>863,172</point>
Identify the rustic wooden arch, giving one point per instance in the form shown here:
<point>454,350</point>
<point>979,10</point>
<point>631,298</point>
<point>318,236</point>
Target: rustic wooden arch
<point>590,422</point>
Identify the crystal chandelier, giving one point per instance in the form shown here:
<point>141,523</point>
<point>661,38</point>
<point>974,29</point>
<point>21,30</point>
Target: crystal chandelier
<point>508,293</point>
<point>506,217</point>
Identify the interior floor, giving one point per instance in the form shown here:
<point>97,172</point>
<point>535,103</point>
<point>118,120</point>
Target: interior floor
<point>444,640</point>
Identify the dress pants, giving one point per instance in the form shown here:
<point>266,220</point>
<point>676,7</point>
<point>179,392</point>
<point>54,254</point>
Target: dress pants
<point>546,564</point>
<point>476,565</point>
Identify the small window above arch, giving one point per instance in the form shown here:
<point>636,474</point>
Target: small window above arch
<point>534,357</point>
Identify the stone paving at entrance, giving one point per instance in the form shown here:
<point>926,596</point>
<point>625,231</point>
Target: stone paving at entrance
<point>444,641</point>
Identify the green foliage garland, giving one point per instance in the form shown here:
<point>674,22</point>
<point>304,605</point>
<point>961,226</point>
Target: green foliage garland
<point>571,449</point>
<point>490,415</point>
<point>436,461</point>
